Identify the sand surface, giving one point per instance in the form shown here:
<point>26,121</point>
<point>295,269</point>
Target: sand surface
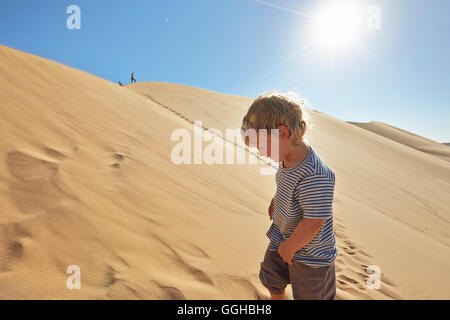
<point>86,179</point>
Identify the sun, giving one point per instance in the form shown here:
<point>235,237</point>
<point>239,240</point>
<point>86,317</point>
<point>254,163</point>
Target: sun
<point>337,26</point>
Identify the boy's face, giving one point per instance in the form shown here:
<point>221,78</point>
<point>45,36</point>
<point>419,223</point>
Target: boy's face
<point>273,145</point>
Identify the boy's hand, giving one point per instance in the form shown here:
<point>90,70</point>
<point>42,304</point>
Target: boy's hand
<point>271,208</point>
<point>286,252</point>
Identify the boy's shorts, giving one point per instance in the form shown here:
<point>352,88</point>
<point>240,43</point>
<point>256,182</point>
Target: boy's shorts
<point>308,283</point>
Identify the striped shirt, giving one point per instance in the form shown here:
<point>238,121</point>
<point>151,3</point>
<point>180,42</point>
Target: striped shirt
<point>305,191</point>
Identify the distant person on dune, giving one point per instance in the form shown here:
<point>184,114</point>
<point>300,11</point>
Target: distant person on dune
<point>120,84</point>
<point>132,77</point>
<point>302,247</point>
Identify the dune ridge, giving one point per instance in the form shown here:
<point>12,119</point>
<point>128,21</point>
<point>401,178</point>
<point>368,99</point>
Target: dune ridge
<point>406,138</point>
<point>86,179</point>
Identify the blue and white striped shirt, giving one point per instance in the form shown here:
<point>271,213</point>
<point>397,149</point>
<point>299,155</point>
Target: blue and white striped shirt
<point>305,191</point>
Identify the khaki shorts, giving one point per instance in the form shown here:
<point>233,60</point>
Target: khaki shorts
<point>308,283</point>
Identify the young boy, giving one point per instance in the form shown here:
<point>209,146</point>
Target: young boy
<point>302,247</point>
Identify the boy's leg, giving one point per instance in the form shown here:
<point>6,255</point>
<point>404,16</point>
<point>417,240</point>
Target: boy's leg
<point>274,274</point>
<point>330,287</point>
<point>310,283</point>
<point>275,296</point>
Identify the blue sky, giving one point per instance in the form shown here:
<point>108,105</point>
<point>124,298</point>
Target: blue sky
<point>398,74</point>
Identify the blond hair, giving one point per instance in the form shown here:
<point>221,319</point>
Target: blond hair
<point>271,110</point>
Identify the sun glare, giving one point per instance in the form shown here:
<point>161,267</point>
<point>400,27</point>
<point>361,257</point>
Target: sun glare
<point>337,26</point>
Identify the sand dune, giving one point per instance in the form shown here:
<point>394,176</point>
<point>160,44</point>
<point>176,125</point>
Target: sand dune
<point>86,179</point>
<point>407,138</point>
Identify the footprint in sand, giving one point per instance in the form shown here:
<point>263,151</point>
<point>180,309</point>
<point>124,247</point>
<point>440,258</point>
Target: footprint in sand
<point>351,274</point>
<point>118,157</point>
<point>36,186</point>
<point>12,239</point>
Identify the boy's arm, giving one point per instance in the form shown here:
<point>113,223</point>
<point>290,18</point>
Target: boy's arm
<point>305,231</point>
<point>271,207</point>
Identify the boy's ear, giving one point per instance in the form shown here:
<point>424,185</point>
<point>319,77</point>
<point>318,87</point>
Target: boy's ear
<point>283,132</point>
